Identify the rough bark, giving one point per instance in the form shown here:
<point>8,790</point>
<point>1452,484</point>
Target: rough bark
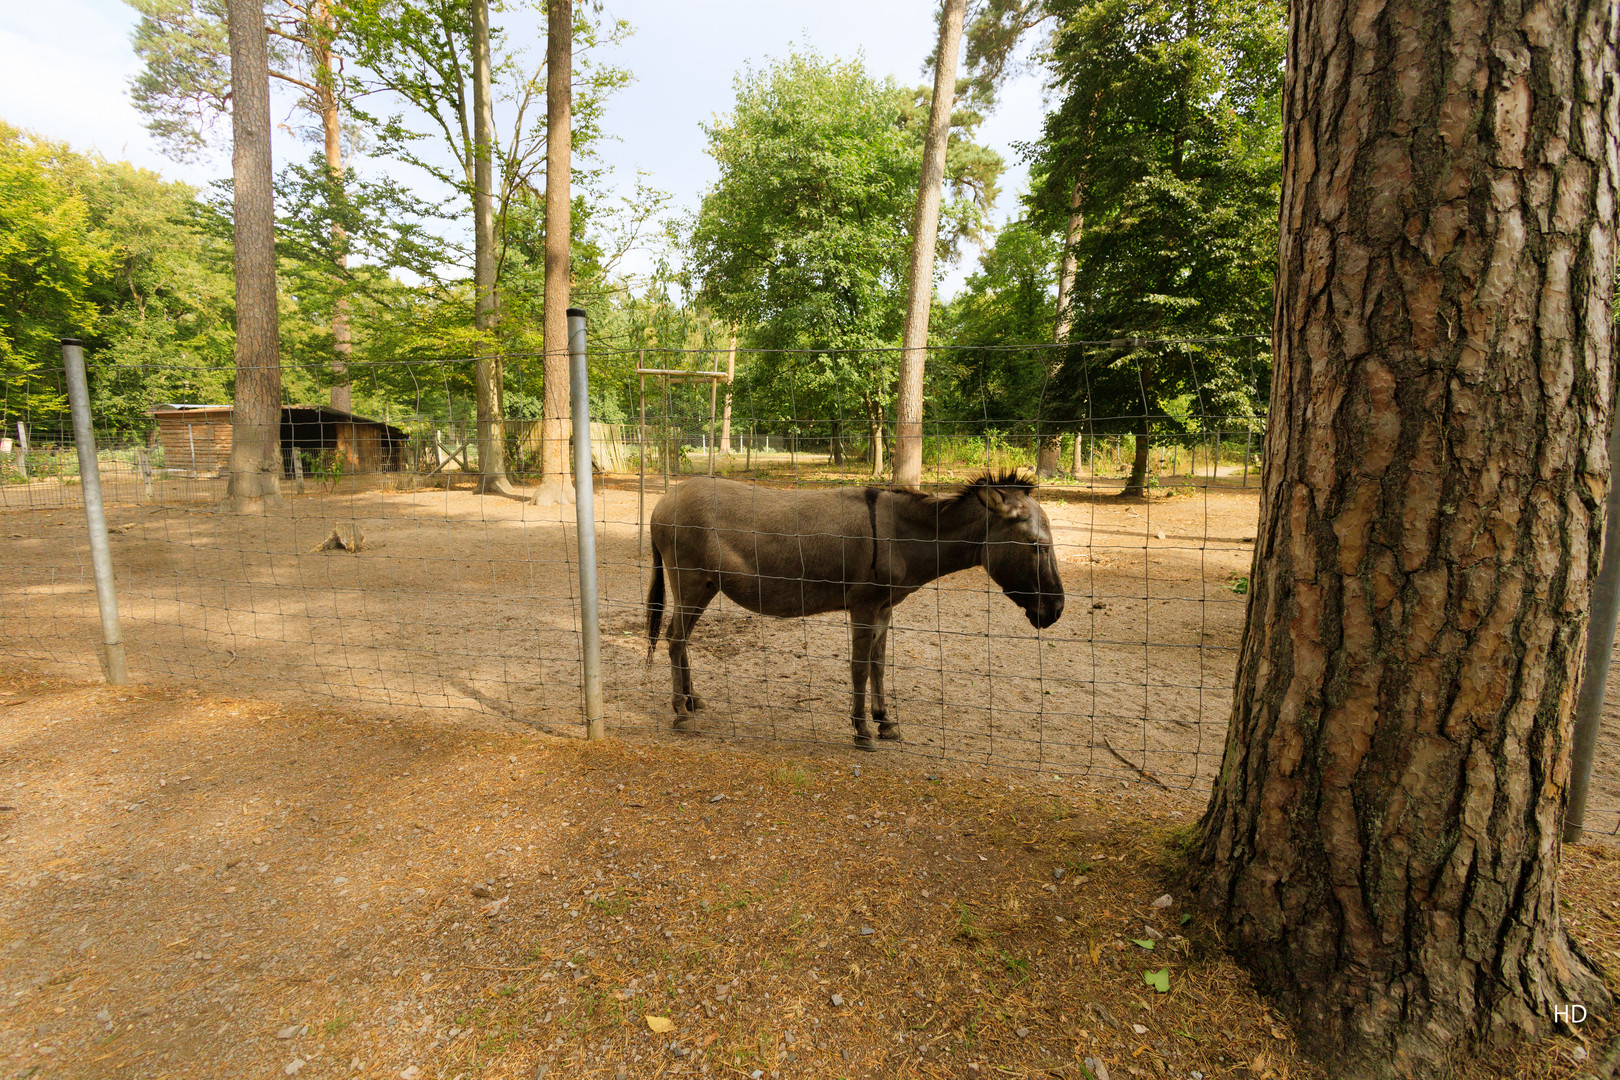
<point>1382,845</point>
<point>554,469</point>
<point>487,371</point>
<point>255,462</point>
<point>924,236</point>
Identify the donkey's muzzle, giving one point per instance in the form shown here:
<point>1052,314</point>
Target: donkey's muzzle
<point>1041,609</point>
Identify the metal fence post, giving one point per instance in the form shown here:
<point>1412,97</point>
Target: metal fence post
<point>84,440</point>
<point>1599,648</point>
<point>579,389</point>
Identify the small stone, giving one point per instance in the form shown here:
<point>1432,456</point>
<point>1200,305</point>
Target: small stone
<point>1096,1067</point>
<point>1155,935</point>
<point>867,931</point>
<point>757,1074</point>
<point>103,1016</point>
<point>1139,1029</point>
<point>287,1032</point>
<point>482,891</point>
<point>231,863</point>
<point>409,1072</point>
<point>340,881</point>
<point>293,1066</point>
<point>718,797</point>
<point>1059,873</point>
<point>857,771</point>
<point>1082,879</point>
<point>1023,1033</point>
<point>1164,901</point>
<point>837,1000</point>
<point>1160,534</point>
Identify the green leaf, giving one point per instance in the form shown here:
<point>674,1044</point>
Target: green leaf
<point>1159,980</point>
<point>1146,943</point>
<point>1186,917</point>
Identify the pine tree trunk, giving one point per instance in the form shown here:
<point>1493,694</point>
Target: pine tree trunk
<point>1382,845</point>
<point>554,483</point>
<point>924,235</point>
<point>487,371</point>
<point>1136,483</point>
<point>255,461</point>
<point>321,35</point>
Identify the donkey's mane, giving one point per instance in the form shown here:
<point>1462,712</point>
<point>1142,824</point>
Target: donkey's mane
<point>1007,478</point>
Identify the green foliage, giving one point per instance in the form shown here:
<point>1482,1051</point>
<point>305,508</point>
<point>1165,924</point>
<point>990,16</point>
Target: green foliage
<point>50,254</point>
<point>805,237</point>
<point>1169,128</point>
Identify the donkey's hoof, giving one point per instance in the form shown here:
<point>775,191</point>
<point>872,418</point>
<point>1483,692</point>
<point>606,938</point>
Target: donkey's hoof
<point>864,742</point>
<point>686,724</point>
<point>891,732</point>
<point>695,703</point>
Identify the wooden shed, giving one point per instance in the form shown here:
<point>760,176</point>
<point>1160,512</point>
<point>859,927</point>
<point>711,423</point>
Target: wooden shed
<point>196,439</point>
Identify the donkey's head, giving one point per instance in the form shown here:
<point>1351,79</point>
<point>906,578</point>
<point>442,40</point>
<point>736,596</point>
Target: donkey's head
<point>1018,547</point>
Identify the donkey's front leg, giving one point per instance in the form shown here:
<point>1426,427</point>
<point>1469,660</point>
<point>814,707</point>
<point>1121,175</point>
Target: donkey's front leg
<point>860,651</point>
<point>879,662</point>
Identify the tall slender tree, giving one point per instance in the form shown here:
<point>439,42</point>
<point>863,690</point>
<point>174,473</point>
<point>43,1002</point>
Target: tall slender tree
<point>1382,844</point>
<point>924,234</point>
<point>255,460</point>
<point>487,369</point>
<point>554,486</point>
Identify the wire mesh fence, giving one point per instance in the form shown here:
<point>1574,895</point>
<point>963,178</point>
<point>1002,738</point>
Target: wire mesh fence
<point>387,580</point>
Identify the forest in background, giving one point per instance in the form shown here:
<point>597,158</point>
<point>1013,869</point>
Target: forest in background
<point>1144,252</point>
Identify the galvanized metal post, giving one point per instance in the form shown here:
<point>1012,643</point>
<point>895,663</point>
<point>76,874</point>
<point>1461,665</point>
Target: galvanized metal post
<point>590,633</point>
<point>1599,648</point>
<point>84,439</point>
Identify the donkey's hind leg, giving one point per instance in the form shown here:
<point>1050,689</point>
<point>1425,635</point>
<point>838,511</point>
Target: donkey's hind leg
<point>693,591</point>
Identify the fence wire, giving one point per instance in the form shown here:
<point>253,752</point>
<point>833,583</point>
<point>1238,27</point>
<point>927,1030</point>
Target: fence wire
<point>386,580</point>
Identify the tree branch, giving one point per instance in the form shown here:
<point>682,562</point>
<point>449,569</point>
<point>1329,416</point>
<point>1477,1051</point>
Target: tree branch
<point>296,82</point>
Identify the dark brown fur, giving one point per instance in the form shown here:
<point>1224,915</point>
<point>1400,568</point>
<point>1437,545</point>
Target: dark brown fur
<point>796,552</point>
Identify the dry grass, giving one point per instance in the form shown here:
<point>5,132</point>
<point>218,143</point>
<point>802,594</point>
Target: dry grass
<point>188,877</point>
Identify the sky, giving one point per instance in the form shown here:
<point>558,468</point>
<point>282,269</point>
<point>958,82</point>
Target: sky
<point>65,67</point>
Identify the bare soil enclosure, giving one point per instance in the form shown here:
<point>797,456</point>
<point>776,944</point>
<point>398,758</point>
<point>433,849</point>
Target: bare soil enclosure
<point>464,605</point>
<point>195,885</point>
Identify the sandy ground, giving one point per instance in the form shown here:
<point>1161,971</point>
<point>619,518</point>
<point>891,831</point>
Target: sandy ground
<point>460,602</point>
<point>196,885</point>
<point>463,606</point>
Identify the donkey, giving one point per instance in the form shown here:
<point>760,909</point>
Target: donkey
<point>791,553</point>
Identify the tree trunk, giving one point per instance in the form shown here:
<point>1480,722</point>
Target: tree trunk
<point>1136,483</point>
<point>1066,272</point>
<point>1382,845</point>
<point>255,462</point>
<point>1047,452</point>
<point>487,372</point>
<point>321,35</point>
<point>874,415</point>
<point>924,235</point>
<point>725,414</point>
<point>554,485</point>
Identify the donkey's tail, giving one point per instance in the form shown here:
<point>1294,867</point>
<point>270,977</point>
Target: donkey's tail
<point>655,602</point>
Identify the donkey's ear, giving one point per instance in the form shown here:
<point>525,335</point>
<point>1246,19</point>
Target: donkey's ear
<point>992,498</point>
